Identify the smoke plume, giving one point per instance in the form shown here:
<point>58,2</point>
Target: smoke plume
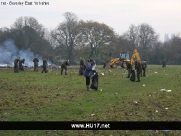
<point>8,53</point>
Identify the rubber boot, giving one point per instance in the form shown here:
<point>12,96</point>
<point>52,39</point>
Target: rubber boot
<point>88,88</point>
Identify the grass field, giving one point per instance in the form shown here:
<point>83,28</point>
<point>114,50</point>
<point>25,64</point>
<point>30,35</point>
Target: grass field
<point>33,96</point>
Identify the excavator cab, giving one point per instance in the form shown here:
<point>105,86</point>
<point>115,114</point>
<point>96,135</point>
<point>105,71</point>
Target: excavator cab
<point>124,57</point>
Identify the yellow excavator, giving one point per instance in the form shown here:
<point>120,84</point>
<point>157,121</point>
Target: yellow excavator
<point>123,58</point>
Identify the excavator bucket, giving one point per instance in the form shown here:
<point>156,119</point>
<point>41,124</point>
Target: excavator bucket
<point>114,62</point>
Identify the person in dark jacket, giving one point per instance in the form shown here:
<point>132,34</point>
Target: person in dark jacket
<point>138,69</point>
<point>104,64</point>
<point>45,66</point>
<point>82,66</point>
<point>129,68</point>
<point>143,66</point>
<point>88,73</point>
<point>21,62</point>
<point>64,66</point>
<point>164,64</point>
<point>35,60</point>
<point>16,68</point>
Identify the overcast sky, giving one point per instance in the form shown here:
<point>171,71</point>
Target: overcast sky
<point>164,16</point>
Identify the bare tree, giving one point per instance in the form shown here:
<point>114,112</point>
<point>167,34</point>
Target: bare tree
<point>65,35</point>
<point>28,33</point>
<point>30,22</point>
<point>132,36</point>
<point>146,36</point>
<point>142,37</point>
<point>5,33</point>
<point>173,49</point>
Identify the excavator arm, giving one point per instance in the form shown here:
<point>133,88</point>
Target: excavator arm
<point>135,56</point>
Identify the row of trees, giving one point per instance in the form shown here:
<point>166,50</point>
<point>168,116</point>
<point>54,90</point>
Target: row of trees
<point>73,38</point>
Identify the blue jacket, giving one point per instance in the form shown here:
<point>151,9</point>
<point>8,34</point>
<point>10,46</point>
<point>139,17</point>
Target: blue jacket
<point>88,70</point>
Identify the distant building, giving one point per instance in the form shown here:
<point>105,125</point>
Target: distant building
<point>167,38</point>
<point>172,36</point>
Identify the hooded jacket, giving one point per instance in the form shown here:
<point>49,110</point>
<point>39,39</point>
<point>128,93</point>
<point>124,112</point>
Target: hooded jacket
<point>88,70</point>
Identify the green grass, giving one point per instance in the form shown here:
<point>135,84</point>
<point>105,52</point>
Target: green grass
<point>33,96</point>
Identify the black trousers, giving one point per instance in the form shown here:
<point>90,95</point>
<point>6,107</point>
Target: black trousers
<point>138,75</point>
<point>35,67</point>
<point>44,70</point>
<point>64,68</point>
<point>16,68</point>
<point>87,80</point>
<point>143,71</point>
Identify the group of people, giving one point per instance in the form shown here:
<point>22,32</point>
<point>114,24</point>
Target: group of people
<point>18,65</point>
<point>140,67</point>
<point>89,69</point>
<point>45,66</point>
<point>86,68</point>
